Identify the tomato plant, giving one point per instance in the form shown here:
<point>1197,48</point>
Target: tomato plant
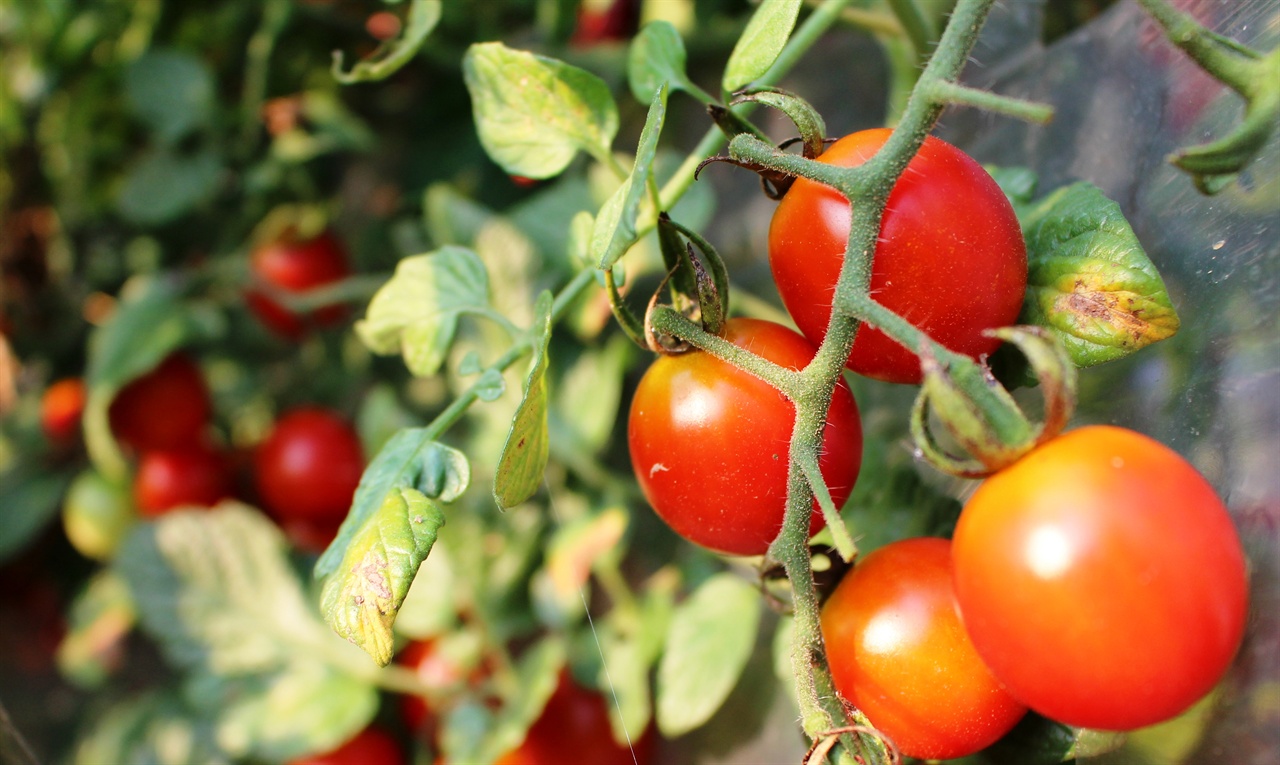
<point>690,418</point>
<point>61,408</point>
<point>193,475</point>
<point>899,652</point>
<point>167,408</point>
<point>1102,580</point>
<point>307,470</point>
<point>950,257</point>
<point>294,264</point>
<point>371,746</point>
<point>574,726</point>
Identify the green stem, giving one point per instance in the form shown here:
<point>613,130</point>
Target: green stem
<point>275,13</point>
<point>1229,62</point>
<point>954,93</point>
<point>672,322</point>
<point>830,513</point>
<point>919,29</point>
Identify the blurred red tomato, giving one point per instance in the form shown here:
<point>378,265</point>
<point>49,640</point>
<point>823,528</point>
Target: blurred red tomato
<point>370,746</point>
<point>167,408</point>
<point>188,476</point>
<point>297,265</point>
<point>61,408</point>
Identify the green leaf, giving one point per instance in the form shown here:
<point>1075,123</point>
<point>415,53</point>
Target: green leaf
<point>29,497</point>
<point>424,15</point>
<point>162,186</point>
<point>535,113</point>
<point>428,608</point>
<point>411,459</point>
<point>524,456</point>
<point>761,42</point>
<point>710,639</point>
<point>416,313</point>
<point>216,590</point>
<point>154,728</point>
<point>149,323</point>
<point>172,92</point>
<point>657,58</point>
<point>361,599</point>
<point>1017,183</point>
<point>587,400</point>
<point>615,227</point>
<point>1089,280</point>
<point>100,618</point>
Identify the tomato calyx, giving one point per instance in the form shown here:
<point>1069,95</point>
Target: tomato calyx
<point>824,742</point>
<point>807,120</point>
<point>989,445</point>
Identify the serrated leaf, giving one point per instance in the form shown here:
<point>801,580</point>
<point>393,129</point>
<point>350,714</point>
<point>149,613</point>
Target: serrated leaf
<point>360,600</point>
<point>411,459</point>
<point>99,619</point>
<point>535,113</point>
<point>761,42</point>
<point>29,497</point>
<point>708,644</point>
<point>171,91</point>
<point>615,227</point>
<point>161,185</point>
<point>524,455</point>
<point>423,17</point>
<point>657,57</point>
<point>1089,280</point>
<point>416,313</point>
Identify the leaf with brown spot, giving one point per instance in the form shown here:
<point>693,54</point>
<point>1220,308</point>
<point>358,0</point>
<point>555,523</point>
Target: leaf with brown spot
<point>1089,280</point>
<point>524,456</point>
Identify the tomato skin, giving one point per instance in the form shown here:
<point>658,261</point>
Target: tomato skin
<point>709,442</point>
<point>297,265</point>
<point>61,407</point>
<point>899,652</point>
<point>308,469</point>
<point>184,477</point>
<point>167,408</point>
<point>951,257</point>
<point>574,727</point>
<point>1102,580</point>
<point>371,746</point>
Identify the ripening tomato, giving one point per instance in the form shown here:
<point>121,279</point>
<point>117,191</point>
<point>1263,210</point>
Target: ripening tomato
<point>951,257</point>
<point>899,653</point>
<point>1101,579</point>
<point>308,469</point>
<point>371,746</point>
<point>167,408</point>
<point>574,727</point>
<point>710,442</point>
<point>188,476</point>
<point>292,264</point>
<point>61,407</point>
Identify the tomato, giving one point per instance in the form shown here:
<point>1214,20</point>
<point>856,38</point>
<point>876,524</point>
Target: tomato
<point>297,265</point>
<point>167,408</point>
<point>951,257</point>
<point>60,409</point>
<point>188,476</point>
<point>308,469</point>
<point>436,670</point>
<point>96,514</point>
<point>574,727</point>
<point>709,442</point>
<point>1102,580</point>
<point>899,653</point>
<point>370,746</point>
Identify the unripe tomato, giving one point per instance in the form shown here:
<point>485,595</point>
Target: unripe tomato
<point>297,265</point>
<point>710,442</point>
<point>308,469</point>
<point>167,408</point>
<point>899,653</point>
<point>189,476</point>
<point>61,407</point>
<point>96,514</point>
<point>370,746</point>
<point>574,727</point>
<point>1102,580</point>
<point>951,258</point>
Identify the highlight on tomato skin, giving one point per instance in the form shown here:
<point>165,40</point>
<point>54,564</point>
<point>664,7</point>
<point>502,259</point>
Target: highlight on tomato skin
<point>899,652</point>
<point>709,442</point>
<point>61,408</point>
<point>951,258</point>
<point>167,408</point>
<point>1102,580</point>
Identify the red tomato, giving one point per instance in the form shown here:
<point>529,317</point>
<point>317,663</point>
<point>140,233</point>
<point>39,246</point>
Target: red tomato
<point>1102,580</point>
<point>709,442</point>
<point>308,469</point>
<point>167,408</point>
<point>574,728</point>
<point>899,653</point>
<point>951,257</point>
<point>369,747</point>
<point>297,265</point>
<point>187,476</point>
<point>61,408</point>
